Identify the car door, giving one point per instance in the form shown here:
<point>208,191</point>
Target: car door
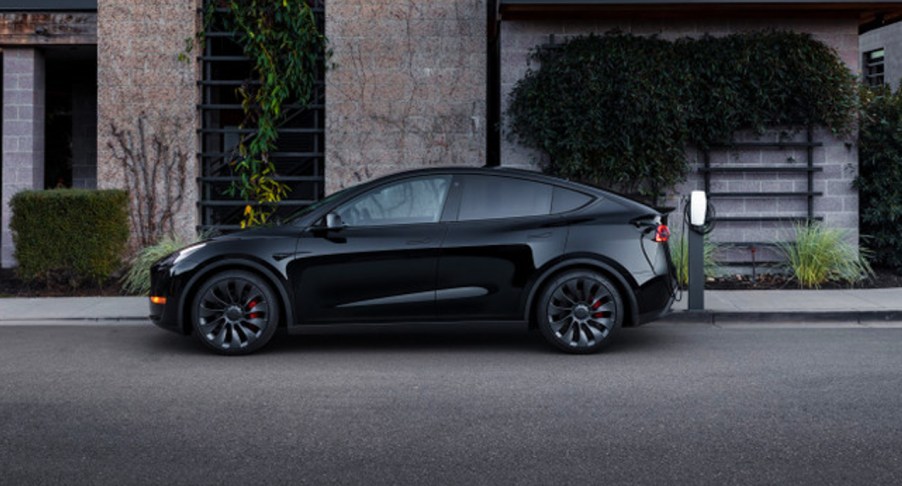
<point>502,233</point>
<point>381,265</point>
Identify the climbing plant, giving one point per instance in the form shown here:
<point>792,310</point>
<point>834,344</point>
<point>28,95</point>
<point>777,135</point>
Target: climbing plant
<point>286,48</point>
<point>620,110</point>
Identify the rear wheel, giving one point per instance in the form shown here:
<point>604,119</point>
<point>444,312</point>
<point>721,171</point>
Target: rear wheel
<point>235,312</point>
<point>580,311</point>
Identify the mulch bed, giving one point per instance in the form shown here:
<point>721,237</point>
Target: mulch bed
<point>882,278</point>
<point>13,286</point>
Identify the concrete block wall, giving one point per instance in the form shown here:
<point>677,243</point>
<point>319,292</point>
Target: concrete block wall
<point>138,73</point>
<point>23,133</point>
<point>839,159</point>
<point>408,88</point>
<point>838,204</point>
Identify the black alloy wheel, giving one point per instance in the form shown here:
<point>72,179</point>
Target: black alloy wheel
<point>580,311</point>
<point>235,312</point>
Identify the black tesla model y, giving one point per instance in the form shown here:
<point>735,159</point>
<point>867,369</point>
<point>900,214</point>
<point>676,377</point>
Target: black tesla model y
<point>461,244</point>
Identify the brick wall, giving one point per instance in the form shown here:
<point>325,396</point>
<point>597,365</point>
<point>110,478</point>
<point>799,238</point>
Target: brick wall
<point>839,204</point>
<point>408,88</point>
<point>23,133</point>
<point>139,73</point>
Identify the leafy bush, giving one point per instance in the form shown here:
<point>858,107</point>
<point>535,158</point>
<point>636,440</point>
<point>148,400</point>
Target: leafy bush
<point>137,280</point>
<point>820,254</point>
<point>679,253</point>
<point>69,236</point>
<point>619,110</point>
<point>879,180</point>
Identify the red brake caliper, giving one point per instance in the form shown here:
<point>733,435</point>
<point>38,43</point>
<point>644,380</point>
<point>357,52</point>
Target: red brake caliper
<point>250,306</point>
<point>595,306</point>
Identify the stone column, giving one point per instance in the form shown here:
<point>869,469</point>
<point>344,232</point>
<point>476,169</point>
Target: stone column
<point>23,133</point>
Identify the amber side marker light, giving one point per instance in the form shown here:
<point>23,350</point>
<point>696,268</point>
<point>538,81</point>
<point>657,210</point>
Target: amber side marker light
<point>157,300</point>
<point>662,234</point>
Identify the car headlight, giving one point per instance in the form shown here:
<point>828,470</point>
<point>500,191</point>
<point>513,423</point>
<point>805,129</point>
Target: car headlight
<point>185,252</point>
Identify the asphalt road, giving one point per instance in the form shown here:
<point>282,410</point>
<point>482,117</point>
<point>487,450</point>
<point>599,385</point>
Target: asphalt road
<point>667,404</point>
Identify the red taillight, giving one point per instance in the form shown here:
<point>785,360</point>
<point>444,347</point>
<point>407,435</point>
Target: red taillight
<point>662,234</point>
<point>155,299</point>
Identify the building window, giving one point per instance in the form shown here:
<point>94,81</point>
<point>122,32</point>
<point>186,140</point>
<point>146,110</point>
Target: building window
<point>873,67</point>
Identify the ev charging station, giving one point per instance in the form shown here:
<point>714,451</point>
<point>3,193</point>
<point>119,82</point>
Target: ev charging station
<point>698,227</point>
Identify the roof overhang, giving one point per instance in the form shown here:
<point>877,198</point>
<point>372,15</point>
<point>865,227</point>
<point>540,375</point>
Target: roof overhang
<point>870,14</point>
<point>48,5</point>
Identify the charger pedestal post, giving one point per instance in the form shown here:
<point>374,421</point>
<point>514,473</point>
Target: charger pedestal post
<point>696,240</point>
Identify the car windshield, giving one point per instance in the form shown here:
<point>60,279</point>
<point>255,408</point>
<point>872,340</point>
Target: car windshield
<point>300,213</point>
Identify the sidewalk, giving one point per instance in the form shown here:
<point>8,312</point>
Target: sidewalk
<point>720,305</point>
<point>73,310</point>
<point>794,305</point>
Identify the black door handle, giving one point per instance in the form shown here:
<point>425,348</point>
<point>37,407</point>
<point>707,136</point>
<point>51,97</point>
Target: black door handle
<point>423,241</point>
<point>546,234</point>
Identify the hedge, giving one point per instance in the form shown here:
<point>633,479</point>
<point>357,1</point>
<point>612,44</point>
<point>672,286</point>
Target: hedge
<point>879,180</point>
<point>69,235</point>
<point>620,110</point>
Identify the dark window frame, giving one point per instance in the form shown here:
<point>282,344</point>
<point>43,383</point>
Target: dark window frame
<point>873,67</point>
<point>300,159</point>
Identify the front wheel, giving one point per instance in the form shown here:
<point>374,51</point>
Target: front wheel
<point>580,311</point>
<point>235,312</point>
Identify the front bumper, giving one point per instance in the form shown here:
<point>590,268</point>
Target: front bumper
<point>162,284</point>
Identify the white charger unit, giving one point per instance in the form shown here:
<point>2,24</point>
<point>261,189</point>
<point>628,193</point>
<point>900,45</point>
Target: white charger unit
<point>698,206</point>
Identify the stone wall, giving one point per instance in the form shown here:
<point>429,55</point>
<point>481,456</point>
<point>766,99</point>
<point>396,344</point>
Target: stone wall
<point>139,74</point>
<point>407,89</point>
<point>838,158</point>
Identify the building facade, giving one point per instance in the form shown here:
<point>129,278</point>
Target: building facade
<point>413,84</point>
<point>881,56</point>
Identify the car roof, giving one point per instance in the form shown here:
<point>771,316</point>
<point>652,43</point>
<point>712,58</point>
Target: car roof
<point>498,171</point>
<point>533,175</point>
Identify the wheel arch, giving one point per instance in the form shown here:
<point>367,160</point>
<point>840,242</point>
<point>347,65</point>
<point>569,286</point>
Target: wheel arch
<point>607,269</point>
<point>261,270</point>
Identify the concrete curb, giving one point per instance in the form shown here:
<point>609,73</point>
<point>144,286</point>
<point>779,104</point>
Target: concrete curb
<point>715,317</point>
<point>76,321</point>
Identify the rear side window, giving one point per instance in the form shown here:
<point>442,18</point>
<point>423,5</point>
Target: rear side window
<point>567,200</point>
<point>491,197</point>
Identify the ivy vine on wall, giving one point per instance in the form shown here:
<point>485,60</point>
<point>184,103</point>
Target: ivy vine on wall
<point>620,110</point>
<point>286,48</point>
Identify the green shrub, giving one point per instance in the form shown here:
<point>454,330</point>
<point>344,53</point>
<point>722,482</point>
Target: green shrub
<point>619,110</point>
<point>137,280</point>
<point>820,255</point>
<point>69,235</point>
<point>879,180</point>
<point>679,253</point>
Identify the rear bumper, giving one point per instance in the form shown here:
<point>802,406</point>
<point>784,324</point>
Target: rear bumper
<point>655,298</point>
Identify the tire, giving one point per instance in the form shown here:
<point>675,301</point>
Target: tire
<point>234,312</point>
<point>580,311</point>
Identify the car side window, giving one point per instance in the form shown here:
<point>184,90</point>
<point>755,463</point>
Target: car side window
<point>493,197</point>
<point>410,201</point>
<point>566,200</point>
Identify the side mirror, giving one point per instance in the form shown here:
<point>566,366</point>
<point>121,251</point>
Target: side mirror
<point>333,221</point>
